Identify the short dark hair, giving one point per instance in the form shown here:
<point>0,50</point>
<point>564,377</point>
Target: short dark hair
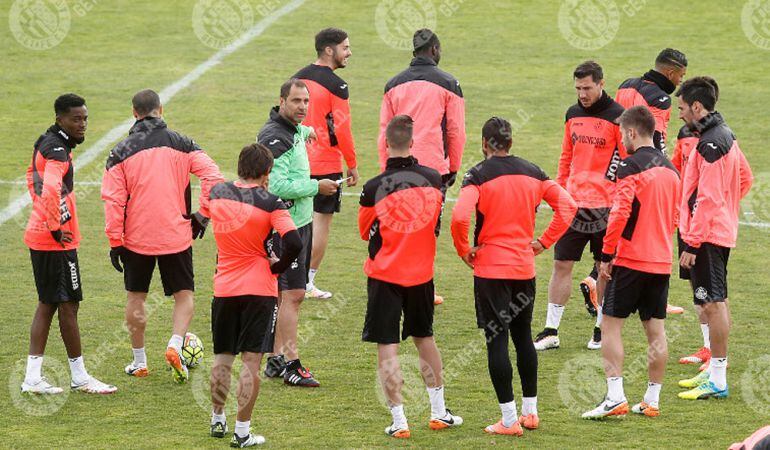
<point>671,57</point>
<point>64,102</point>
<point>286,86</point>
<point>640,119</point>
<point>254,161</point>
<point>591,68</point>
<point>329,37</point>
<point>399,132</point>
<point>424,39</point>
<point>498,134</point>
<point>699,89</point>
<point>145,102</point>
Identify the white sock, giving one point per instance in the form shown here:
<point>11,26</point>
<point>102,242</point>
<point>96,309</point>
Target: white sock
<point>652,396</point>
<point>78,370</point>
<point>140,357</point>
<point>242,429</point>
<point>437,407</point>
<point>311,276</point>
<point>704,329</point>
<point>615,389</point>
<point>718,374</point>
<point>34,369</point>
<point>599,316</point>
<point>553,317</point>
<point>528,406</point>
<point>176,342</point>
<point>218,417</point>
<point>509,413</point>
<point>399,419</point>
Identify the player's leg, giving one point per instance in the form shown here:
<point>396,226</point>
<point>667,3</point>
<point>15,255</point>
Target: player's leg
<point>521,306</point>
<point>219,387</point>
<point>137,275</point>
<point>595,342</point>
<point>178,278</point>
<point>588,289</point>
<point>418,310</point>
<point>38,337</point>
<point>559,289</point>
<point>321,229</point>
<point>657,355</point>
<point>389,371</point>
<point>286,329</point>
<point>248,390</point>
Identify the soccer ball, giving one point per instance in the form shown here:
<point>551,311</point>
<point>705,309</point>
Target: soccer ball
<point>192,350</point>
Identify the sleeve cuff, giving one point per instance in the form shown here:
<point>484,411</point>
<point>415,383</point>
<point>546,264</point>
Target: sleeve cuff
<point>692,249</point>
<point>606,257</point>
<point>116,242</point>
<point>544,242</point>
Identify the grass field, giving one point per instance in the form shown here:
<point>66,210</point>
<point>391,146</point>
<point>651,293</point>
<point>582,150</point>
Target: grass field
<point>512,60</point>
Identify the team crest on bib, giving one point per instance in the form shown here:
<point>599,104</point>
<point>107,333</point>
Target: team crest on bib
<point>701,293</point>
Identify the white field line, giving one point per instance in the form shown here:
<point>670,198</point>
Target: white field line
<point>22,201</point>
<point>355,194</point>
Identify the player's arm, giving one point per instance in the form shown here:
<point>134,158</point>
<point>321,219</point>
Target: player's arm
<point>342,129</point>
<point>677,157</point>
<point>290,239</point>
<point>746,176</point>
<point>565,160</point>
<point>367,213</point>
<point>455,130</point>
<point>564,209</point>
<point>461,218</point>
<point>619,214</point>
<point>207,171</point>
<point>115,196</point>
<point>661,111</point>
<point>55,167</point>
<point>386,113</point>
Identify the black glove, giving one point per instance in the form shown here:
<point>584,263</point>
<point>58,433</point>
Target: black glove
<point>449,179</point>
<point>198,224</point>
<point>115,257</point>
<point>62,237</point>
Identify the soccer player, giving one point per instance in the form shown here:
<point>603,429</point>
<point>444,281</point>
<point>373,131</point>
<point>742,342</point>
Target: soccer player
<point>652,90</point>
<point>290,180</point>
<point>243,312</point>
<point>503,261</point>
<point>53,236</point>
<point>717,178</point>
<point>591,152</point>
<point>398,215</point>
<point>329,115</point>
<point>146,193</point>
<point>636,258</point>
<point>434,100</point>
<point>685,144</point>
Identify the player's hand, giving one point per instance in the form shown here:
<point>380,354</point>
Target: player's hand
<point>198,223</point>
<point>537,247</point>
<point>449,179</point>
<point>312,136</point>
<point>353,175</point>
<point>470,257</point>
<point>687,260</point>
<point>116,254</point>
<point>327,187</point>
<point>62,236</point>
<point>605,270</point>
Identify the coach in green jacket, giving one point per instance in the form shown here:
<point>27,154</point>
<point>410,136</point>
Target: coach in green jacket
<point>290,180</point>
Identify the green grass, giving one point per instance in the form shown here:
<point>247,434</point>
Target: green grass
<point>512,61</point>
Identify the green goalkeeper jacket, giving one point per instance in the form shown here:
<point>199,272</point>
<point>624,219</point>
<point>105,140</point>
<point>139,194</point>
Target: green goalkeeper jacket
<point>290,177</point>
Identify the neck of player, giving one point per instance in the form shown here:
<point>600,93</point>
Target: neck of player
<point>259,182</point>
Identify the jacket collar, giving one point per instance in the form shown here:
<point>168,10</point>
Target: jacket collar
<point>147,124</point>
<point>422,61</point>
<point>280,120</point>
<point>400,162</point>
<point>712,120</point>
<point>600,105</point>
<point>61,134</point>
<point>658,78</point>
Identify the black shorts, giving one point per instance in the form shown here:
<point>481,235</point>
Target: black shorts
<point>503,304</point>
<point>684,274</point>
<point>709,274</point>
<point>245,323</point>
<point>295,277</point>
<point>176,271</point>
<point>328,204</point>
<point>57,275</point>
<point>588,227</point>
<point>384,307</point>
<point>631,290</point>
